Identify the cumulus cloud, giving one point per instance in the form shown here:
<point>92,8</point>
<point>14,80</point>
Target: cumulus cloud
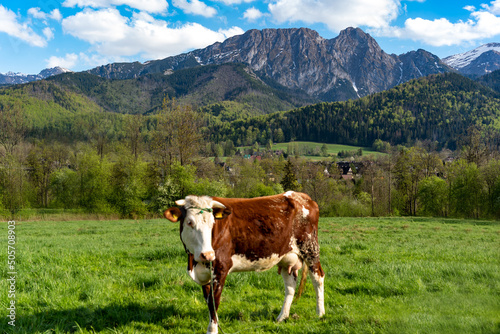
<point>235,2</point>
<point>38,14</point>
<point>11,26</point>
<point>493,7</point>
<point>150,6</point>
<point>68,61</point>
<point>195,7</point>
<point>336,14</point>
<point>252,14</point>
<point>106,25</point>
<point>113,35</point>
<point>441,32</point>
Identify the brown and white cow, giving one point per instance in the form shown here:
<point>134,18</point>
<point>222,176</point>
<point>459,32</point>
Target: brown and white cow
<point>250,235</point>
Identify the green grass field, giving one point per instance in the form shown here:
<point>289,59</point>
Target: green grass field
<point>383,275</point>
<point>332,149</point>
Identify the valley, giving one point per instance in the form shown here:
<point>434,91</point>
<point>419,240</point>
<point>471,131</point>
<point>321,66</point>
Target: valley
<point>126,139</point>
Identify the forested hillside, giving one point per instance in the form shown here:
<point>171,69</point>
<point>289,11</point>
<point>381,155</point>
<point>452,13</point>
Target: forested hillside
<point>438,108</point>
<point>491,80</point>
<point>199,86</point>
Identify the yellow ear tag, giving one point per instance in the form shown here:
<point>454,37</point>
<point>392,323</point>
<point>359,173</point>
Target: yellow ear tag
<point>218,215</point>
<point>175,216</point>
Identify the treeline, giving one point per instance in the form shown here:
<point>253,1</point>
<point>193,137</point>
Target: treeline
<point>438,108</point>
<point>130,179</point>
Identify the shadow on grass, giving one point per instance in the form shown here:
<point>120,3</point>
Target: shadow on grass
<point>97,319</point>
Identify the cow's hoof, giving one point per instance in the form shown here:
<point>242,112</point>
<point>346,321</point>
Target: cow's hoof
<point>281,318</point>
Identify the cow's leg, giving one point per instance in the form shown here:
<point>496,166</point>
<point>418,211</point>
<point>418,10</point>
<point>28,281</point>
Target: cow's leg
<point>290,282</point>
<point>212,326</point>
<point>318,278</point>
<point>213,300</point>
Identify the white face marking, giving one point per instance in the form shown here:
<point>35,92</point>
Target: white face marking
<point>197,229</point>
<point>241,263</point>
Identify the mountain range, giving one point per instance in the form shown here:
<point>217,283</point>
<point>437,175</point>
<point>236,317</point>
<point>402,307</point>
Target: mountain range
<point>349,66</point>
<point>11,78</point>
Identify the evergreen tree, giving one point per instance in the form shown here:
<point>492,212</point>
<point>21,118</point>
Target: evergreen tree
<point>289,181</point>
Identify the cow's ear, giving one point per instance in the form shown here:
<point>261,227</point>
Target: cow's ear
<point>173,214</point>
<point>221,213</point>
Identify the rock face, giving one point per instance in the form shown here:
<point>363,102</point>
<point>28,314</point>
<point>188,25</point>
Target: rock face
<point>348,66</point>
<point>480,61</point>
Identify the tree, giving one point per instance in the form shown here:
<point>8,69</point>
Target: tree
<point>409,170</point>
<point>99,129</point>
<point>128,189</point>
<point>465,188</point>
<point>133,127</point>
<point>474,147</point>
<point>12,126</point>
<point>178,134</point>
<point>41,164</point>
<point>324,150</point>
<point>289,181</point>
<point>13,185</point>
<point>433,196</point>
<point>490,174</point>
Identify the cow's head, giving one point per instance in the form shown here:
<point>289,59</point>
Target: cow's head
<point>197,216</point>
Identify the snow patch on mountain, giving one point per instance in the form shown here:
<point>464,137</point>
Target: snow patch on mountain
<point>462,60</point>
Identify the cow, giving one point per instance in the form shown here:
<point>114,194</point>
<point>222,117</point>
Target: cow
<point>234,235</point>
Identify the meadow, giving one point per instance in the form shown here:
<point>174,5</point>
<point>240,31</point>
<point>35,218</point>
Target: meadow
<point>383,275</point>
<point>302,147</point>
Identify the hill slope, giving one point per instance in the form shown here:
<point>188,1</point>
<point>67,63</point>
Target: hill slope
<point>437,108</point>
<point>491,80</point>
<point>199,86</point>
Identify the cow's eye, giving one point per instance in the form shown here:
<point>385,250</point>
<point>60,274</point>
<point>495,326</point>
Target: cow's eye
<point>190,223</point>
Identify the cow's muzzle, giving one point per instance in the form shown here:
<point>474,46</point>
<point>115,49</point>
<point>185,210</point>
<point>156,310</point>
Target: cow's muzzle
<point>207,256</point>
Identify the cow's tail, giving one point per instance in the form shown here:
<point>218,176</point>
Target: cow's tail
<point>302,284</point>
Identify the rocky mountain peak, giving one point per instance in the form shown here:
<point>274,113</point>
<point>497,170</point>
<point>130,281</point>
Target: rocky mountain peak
<point>483,59</point>
<point>348,66</point>
<point>20,78</point>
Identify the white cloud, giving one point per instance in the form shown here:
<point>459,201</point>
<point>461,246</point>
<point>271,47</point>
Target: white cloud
<point>105,25</point>
<point>67,61</point>
<point>11,26</point>
<point>235,2</point>
<point>195,7</point>
<point>252,14</point>
<point>336,14</point>
<point>48,33</point>
<point>233,31</point>
<point>38,14</point>
<point>493,8</point>
<point>441,32</point>
<point>113,35</point>
<point>150,6</point>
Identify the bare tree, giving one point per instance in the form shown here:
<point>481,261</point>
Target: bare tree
<point>133,125</point>
<point>178,133</point>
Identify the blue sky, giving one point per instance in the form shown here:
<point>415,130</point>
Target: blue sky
<point>82,34</point>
